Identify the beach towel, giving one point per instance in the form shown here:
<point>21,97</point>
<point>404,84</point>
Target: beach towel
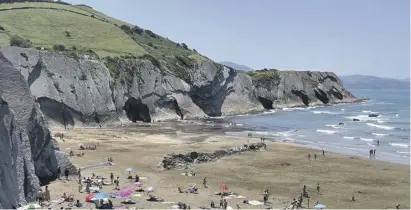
<point>255,202</point>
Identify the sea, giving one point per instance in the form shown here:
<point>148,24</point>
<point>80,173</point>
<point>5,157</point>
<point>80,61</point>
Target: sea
<point>331,128</point>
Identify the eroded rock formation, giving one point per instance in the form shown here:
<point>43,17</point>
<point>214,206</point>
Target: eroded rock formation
<point>171,161</point>
<point>28,153</point>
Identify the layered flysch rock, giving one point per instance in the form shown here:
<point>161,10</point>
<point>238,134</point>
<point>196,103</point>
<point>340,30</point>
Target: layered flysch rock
<point>27,152</point>
<point>39,88</point>
<point>80,90</point>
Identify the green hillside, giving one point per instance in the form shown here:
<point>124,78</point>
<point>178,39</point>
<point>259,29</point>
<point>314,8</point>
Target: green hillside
<point>80,27</point>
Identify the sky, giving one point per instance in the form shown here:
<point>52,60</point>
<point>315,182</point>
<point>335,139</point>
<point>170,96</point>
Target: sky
<point>369,37</point>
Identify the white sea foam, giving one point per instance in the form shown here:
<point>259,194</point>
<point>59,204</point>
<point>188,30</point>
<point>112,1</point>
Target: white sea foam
<point>380,134</point>
<point>381,121</point>
<point>380,126</point>
<point>397,115</point>
<point>371,144</point>
<point>399,145</point>
<point>239,124</point>
<point>366,111</point>
<point>403,152</point>
<point>342,109</point>
<point>323,112</point>
<point>333,126</point>
<point>261,133</point>
<point>326,131</point>
<point>367,139</point>
<point>349,137</point>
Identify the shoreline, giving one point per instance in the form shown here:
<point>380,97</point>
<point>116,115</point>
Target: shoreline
<point>283,169</point>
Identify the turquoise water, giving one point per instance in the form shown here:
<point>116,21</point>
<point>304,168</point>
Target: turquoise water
<point>319,127</point>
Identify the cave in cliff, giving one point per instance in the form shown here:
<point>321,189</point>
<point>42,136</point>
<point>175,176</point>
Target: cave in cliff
<point>303,95</point>
<point>57,111</point>
<point>267,103</point>
<point>136,110</point>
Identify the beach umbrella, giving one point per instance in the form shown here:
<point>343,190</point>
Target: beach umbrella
<point>223,187</point>
<point>150,189</point>
<point>320,206</point>
<point>130,170</point>
<point>89,197</point>
<point>99,196</point>
<point>126,192</point>
<point>138,184</point>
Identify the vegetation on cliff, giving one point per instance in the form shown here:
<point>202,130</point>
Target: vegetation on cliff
<point>63,27</point>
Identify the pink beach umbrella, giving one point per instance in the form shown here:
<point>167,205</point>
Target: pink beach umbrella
<point>126,192</point>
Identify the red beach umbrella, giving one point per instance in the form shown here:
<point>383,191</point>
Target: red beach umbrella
<point>223,187</point>
<point>89,197</point>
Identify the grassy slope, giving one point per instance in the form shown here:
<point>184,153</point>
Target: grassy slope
<point>46,27</point>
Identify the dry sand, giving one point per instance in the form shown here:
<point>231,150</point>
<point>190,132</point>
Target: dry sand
<point>283,169</point>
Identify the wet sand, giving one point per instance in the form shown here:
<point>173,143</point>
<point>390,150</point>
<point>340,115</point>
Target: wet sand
<point>283,169</point>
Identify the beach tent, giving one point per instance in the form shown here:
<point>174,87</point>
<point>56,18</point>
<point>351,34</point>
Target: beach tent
<point>223,187</point>
<point>126,192</point>
<point>130,170</point>
<point>320,206</point>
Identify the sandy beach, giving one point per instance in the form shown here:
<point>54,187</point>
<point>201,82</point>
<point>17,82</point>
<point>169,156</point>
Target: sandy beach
<point>283,169</point>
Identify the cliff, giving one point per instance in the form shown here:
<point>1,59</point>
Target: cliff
<point>80,90</point>
<point>40,87</point>
<point>28,154</point>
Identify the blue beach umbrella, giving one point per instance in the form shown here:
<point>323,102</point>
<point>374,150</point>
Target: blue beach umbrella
<point>99,196</point>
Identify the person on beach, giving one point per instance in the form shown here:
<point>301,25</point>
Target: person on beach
<point>378,142</point>
<point>205,182</point>
<point>117,183</point>
<point>58,172</point>
<point>318,188</point>
<point>315,156</point>
<point>66,173</point>
<point>79,173</point>
<point>137,178</point>
<point>353,199</point>
<point>397,206</point>
<point>47,194</point>
<point>112,178</point>
<point>309,156</point>
<point>323,152</point>
<point>40,197</point>
<point>373,154</point>
<point>80,186</point>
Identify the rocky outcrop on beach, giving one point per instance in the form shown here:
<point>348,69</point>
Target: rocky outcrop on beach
<point>79,89</point>
<point>27,150</point>
<point>172,161</point>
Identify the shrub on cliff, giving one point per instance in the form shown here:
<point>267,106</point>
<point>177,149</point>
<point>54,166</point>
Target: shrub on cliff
<point>19,41</point>
<point>137,30</point>
<point>126,29</point>
<point>59,47</point>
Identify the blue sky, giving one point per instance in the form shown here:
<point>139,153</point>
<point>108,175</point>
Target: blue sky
<point>370,37</point>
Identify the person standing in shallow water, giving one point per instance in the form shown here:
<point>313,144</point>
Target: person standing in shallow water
<point>373,154</point>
